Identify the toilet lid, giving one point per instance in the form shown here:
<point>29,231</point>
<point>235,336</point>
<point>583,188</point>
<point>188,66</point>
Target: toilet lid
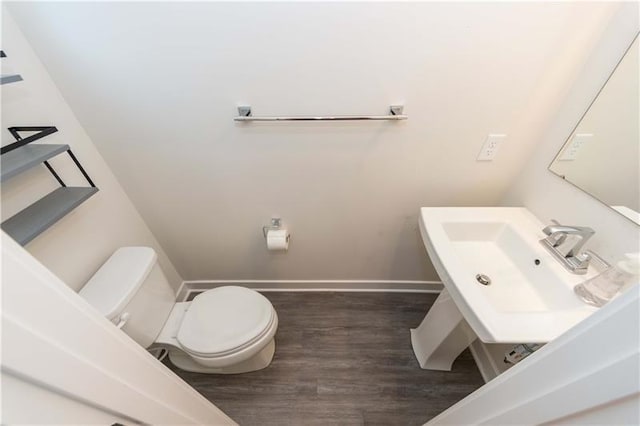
<point>224,319</point>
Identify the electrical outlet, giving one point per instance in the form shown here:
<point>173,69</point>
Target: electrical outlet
<point>490,147</point>
<point>577,142</point>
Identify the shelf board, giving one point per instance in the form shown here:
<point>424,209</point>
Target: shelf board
<point>6,79</point>
<point>28,156</point>
<point>39,216</point>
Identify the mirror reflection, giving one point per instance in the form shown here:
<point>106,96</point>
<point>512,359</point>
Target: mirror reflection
<point>602,155</point>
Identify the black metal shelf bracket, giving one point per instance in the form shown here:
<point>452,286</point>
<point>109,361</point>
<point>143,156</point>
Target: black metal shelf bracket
<point>42,131</point>
<point>20,141</point>
<point>53,172</point>
<point>84,173</point>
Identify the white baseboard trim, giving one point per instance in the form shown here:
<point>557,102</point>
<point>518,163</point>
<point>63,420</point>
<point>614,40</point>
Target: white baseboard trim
<point>488,369</point>
<point>188,287</point>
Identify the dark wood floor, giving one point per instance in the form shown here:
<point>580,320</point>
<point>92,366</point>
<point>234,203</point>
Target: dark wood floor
<point>341,359</point>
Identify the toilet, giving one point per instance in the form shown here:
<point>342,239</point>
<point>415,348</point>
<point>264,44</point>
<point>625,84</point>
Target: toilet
<point>226,330</point>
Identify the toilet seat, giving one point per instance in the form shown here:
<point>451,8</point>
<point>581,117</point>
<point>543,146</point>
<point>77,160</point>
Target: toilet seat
<point>225,321</point>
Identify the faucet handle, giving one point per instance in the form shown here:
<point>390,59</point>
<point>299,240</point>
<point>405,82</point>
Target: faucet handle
<point>581,262</point>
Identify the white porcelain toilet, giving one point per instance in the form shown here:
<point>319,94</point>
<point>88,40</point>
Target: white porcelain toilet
<point>226,330</point>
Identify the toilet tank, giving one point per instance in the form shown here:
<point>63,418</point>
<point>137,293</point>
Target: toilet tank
<point>131,290</point>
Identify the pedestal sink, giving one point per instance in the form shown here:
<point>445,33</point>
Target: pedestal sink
<point>501,285</point>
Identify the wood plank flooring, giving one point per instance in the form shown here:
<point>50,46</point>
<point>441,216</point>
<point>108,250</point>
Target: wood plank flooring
<point>341,359</point>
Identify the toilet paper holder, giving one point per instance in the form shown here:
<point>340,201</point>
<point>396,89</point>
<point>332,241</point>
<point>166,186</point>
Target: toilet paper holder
<point>276,223</point>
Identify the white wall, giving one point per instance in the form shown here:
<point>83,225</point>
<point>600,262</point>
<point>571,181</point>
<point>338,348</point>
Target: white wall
<point>547,195</point>
<point>77,245</point>
<point>156,86</point>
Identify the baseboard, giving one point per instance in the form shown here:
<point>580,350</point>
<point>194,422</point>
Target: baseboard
<point>189,287</point>
<point>488,369</point>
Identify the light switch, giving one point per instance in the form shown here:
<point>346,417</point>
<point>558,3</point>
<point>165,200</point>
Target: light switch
<point>490,147</point>
<point>577,142</point>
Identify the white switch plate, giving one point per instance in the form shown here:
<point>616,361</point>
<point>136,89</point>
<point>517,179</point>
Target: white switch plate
<point>577,142</point>
<point>490,147</point>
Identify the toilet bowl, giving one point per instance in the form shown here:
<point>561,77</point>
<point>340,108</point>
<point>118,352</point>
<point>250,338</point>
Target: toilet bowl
<point>226,330</point>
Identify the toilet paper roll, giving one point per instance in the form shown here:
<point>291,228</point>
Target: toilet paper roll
<point>277,239</point>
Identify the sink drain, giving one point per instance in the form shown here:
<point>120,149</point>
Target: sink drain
<point>483,279</point>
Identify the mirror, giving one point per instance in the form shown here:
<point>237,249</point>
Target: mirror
<point>602,154</point>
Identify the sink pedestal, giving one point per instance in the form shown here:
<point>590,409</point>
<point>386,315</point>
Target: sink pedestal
<point>442,335</point>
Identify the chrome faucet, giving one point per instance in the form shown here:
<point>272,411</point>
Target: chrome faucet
<point>565,244</point>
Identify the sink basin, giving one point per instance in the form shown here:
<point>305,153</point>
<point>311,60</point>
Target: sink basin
<point>530,298</point>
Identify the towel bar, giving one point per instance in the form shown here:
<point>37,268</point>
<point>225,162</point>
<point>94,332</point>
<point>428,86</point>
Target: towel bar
<point>395,114</point>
